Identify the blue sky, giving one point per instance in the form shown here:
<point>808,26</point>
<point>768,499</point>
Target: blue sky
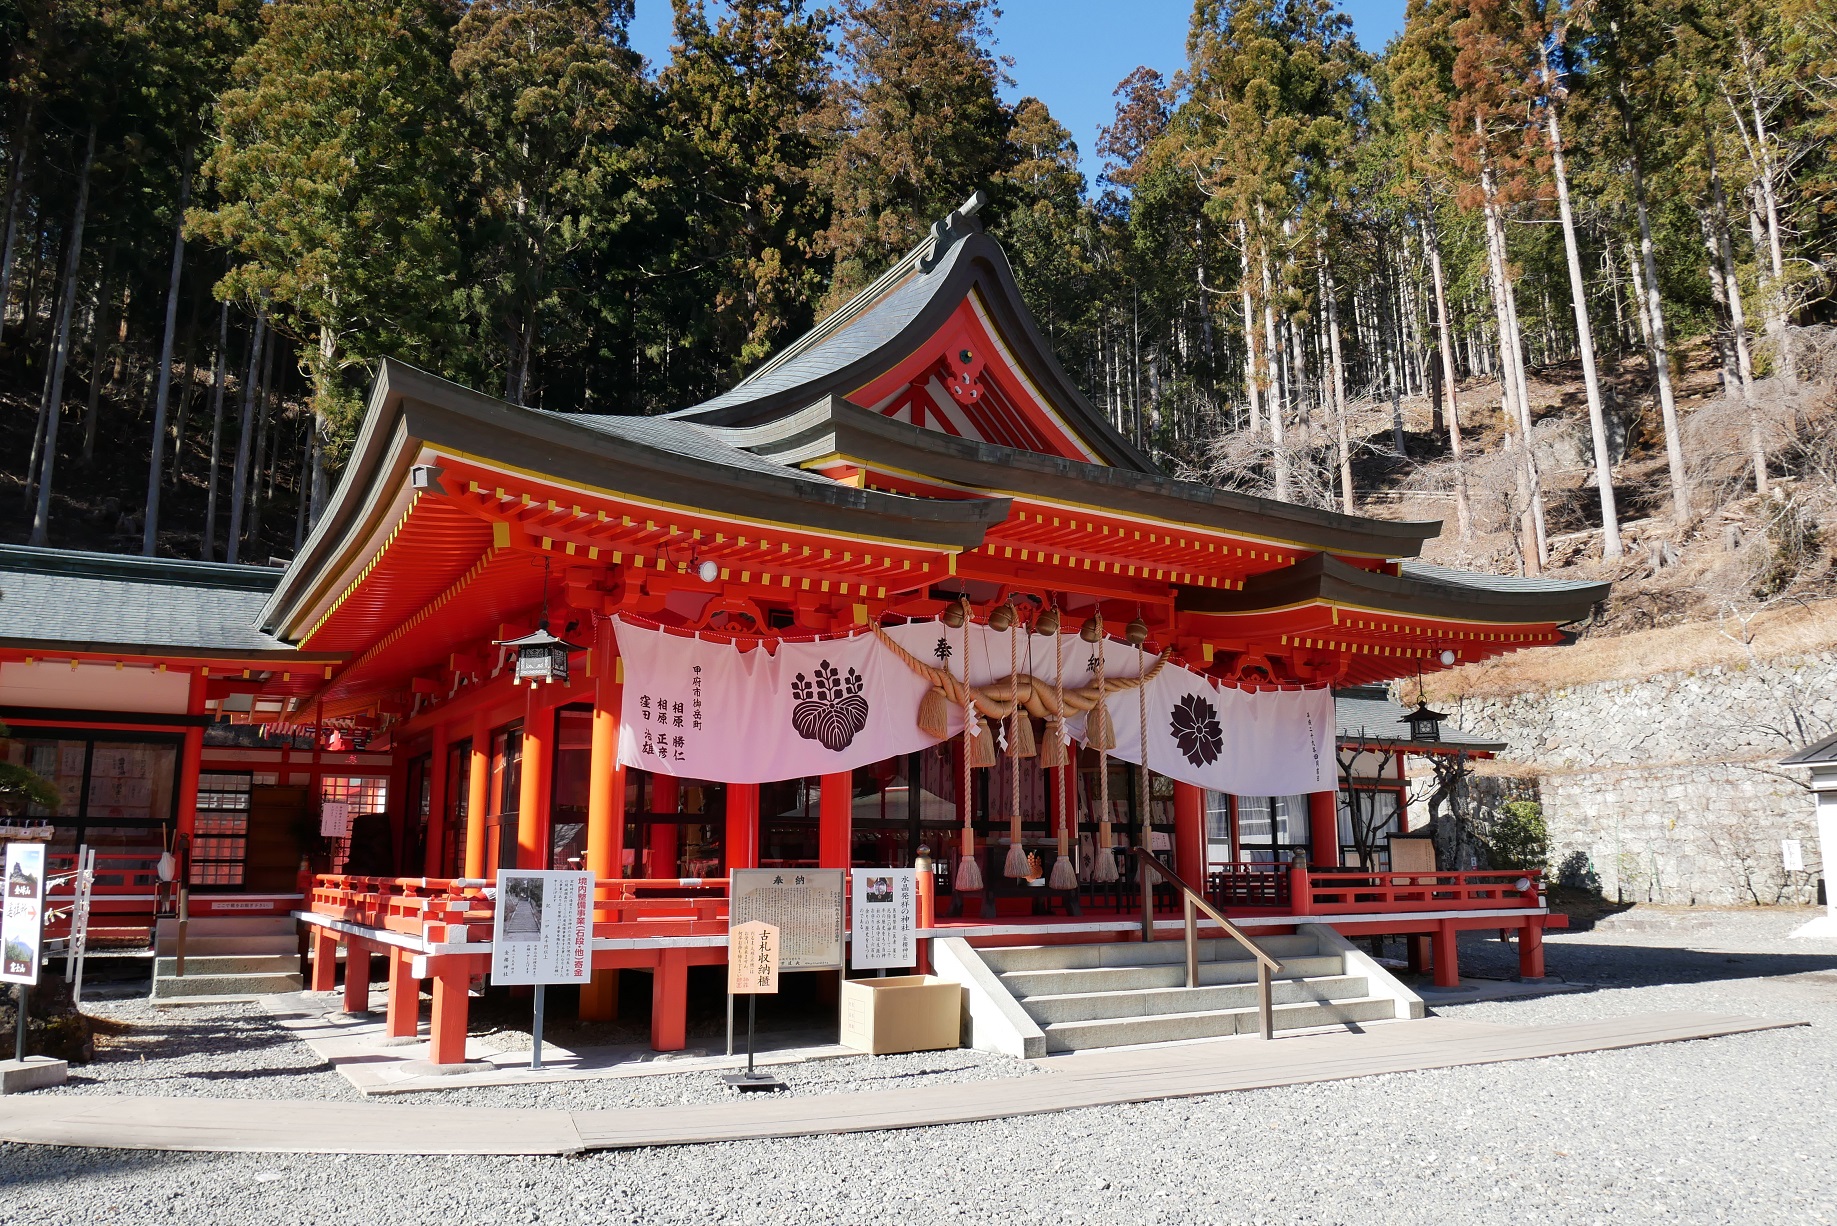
<point>1072,53</point>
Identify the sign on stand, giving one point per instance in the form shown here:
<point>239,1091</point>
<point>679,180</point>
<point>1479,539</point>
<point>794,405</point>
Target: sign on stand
<point>804,904</point>
<point>22,923</point>
<point>753,953</point>
<point>884,927</point>
<point>542,933</point>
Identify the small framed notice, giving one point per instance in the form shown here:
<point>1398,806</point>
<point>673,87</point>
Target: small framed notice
<point>804,904</point>
<point>22,922</point>
<point>752,959</point>
<point>543,929</point>
<point>884,926</point>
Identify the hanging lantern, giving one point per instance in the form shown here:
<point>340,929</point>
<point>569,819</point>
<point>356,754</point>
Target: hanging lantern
<point>541,656</point>
<point>1425,725</point>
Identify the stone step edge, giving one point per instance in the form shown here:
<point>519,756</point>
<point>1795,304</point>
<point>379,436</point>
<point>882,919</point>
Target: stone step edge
<point>1278,1010</point>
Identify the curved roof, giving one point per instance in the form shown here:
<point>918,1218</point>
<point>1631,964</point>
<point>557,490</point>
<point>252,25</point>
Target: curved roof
<point>893,317</point>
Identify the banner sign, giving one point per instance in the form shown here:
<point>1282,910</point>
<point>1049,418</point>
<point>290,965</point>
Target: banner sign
<point>707,710</point>
<point>883,926</point>
<point>22,921</point>
<point>803,904</point>
<point>543,929</point>
<point>752,959</point>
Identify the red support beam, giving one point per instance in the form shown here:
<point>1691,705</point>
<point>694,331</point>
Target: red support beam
<point>433,861</point>
<point>670,1001</point>
<point>325,960</point>
<point>404,1014</point>
<point>1323,828</point>
<point>742,833</point>
<point>478,792</point>
<point>533,786</point>
<point>446,1038</point>
<point>1190,832</point>
<point>1447,956</point>
<point>356,976</point>
<point>835,819</point>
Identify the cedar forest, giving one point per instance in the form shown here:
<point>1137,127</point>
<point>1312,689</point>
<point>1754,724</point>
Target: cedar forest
<point>1560,274</point>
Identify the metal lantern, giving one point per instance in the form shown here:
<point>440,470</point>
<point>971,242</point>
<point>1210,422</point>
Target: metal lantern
<point>541,656</point>
<point>1425,725</point>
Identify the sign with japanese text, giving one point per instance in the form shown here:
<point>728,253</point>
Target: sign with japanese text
<point>804,904</point>
<point>752,959</point>
<point>22,921</point>
<point>883,929</point>
<point>543,930</point>
<point>335,819</point>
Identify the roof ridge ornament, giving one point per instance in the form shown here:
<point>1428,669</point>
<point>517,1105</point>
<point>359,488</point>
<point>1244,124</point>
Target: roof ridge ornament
<point>948,229</point>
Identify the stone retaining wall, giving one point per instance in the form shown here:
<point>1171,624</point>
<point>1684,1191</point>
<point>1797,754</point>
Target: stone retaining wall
<point>1668,784</point>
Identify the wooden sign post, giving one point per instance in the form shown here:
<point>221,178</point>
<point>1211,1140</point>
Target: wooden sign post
<point>752,971</point>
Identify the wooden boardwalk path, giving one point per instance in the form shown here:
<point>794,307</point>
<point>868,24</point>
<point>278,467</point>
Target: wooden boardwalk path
<point>1068,1082</point>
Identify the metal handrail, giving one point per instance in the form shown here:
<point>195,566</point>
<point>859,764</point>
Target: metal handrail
<point>1192,902</point>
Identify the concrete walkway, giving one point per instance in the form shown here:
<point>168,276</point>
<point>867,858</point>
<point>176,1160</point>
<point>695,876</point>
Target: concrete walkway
<point>1084,1080</point>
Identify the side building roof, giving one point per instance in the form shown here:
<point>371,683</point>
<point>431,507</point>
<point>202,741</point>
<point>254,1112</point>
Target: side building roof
<point>108,602</point>
<point>1367,712</point>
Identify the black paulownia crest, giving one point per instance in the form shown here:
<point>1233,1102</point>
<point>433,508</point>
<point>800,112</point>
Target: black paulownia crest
<point>830,708</point>
<point>1194,727</point>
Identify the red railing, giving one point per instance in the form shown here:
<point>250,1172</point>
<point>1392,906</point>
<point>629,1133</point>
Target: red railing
<point>1328,891</point>
<point>449,910</point>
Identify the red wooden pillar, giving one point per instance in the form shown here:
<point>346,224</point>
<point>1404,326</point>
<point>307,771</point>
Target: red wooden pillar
<point>1190,833</point>
<point>533,789</point>
<point>325,959</point>
<point>1531,950</point>
<point>835,820</point>
<point>670,1001</point>
<point>742,834</point>
<point>478,795</point>
<point>446,1029</point>
<point>599,999</point>
<point>356,976</point>
<point>1323,828</point>
<point>404,1013</point>
<point>434,859</point>
<point>192,758</point>
<point>666,798</point>
<point>1447,956</point>
<point>396,806</point>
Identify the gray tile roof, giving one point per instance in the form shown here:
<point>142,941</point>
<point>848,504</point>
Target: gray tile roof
<point>1483,582</point>
<point>849,335</point>
<point>1368,712</point>
<point>108,600</point>
<point>682,438</point>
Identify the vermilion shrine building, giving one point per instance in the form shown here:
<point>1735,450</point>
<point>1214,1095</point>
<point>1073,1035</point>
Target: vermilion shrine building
<point>920,447</point>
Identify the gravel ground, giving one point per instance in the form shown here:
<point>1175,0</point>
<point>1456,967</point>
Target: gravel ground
<point>1738,1130</point>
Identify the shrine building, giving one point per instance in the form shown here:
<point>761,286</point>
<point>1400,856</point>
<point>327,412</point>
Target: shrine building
<point>446,680</point>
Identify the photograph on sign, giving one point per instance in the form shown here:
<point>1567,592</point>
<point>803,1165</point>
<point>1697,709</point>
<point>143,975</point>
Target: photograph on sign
<point>804,904</point>
<point>543,928</point>
<point>883,926</point>
<point>752,959</point>
<point>22,921</point>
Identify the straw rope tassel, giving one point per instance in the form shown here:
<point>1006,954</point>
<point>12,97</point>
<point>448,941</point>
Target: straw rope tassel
<point>1104,869</point>
<point>969,876</point>
<point>1017,852</point>
<point>1064,872</point>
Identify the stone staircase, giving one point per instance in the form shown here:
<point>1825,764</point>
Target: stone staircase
<point>1079,997</point>
<point>226,958</point>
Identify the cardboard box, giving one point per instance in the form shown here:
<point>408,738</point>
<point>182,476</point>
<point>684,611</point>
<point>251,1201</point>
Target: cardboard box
<point>901,1013</point>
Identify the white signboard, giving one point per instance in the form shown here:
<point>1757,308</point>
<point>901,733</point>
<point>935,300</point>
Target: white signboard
<point>752,959</point>
<point>1792,854</point>
<point>804,904</point>
<point>543,929</point>
<point>335,819</point>
<point>884,927</point>
<point>22,922</point>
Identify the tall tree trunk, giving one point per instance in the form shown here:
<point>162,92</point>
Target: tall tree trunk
<point>1250,333</point>
<point>1341,426</point>
<point>1652,312</point>
<point>259,466</point>
<point>1762,154</point>
<point>1277,393</point>
<point>1738,322</point>
<point>15,184</point>
<point>1431,244</point>
<point>60,350</point>
<point>207,549</point>
<point>300,478</point>
<point>245,441</point>
<point>187,389</point>
<point>99,322</point>
<point>1585,342</point>
<point>1514,384</point>
<point>149,533</point>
